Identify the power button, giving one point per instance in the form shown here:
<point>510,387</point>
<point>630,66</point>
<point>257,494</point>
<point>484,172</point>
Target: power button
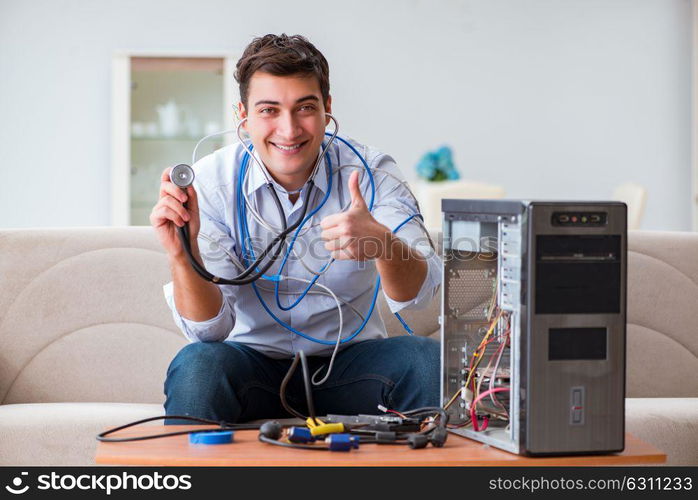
<point>577,405</point>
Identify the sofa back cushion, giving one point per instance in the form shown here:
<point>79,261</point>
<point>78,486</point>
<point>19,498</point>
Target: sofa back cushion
<point>423,321</point>
<point>662,342</point>
<point>82,316</point>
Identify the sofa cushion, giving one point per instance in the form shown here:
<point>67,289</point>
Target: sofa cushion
<point>670,424</point>
<point>85,319</point>
<point>662,341</point>
<point>62,433</point>
<point>423,322</point>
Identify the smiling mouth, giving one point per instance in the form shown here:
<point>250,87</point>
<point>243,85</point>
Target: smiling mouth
<point>290,147</point>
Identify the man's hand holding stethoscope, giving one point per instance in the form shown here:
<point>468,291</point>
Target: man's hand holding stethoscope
<point>355,234</point>
<point>170,212</point>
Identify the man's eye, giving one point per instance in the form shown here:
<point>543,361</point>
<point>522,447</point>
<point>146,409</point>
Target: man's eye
<point>266,110</point>
<point>307,107</point>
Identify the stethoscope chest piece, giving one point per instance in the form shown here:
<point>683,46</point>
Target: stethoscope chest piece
<point>182,175</point>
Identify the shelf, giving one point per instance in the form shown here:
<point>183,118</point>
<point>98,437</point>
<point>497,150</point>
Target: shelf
<point>201,86</point>
<point>162,138</point>
<point>211,64</point>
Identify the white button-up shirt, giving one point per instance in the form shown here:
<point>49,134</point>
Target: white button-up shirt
<point>242,317</point>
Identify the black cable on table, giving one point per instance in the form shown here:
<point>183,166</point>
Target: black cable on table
<point>308,387</point>
<point>222,426</point>
<point>284,385</point>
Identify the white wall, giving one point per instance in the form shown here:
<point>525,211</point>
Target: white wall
<point>550,98</point>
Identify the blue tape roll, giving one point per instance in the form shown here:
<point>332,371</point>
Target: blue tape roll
<point>215,437</point>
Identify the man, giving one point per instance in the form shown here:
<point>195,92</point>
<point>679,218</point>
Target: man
<point>243,337</point>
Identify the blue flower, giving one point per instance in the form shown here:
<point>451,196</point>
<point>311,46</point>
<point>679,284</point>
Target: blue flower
<point>437,165</point>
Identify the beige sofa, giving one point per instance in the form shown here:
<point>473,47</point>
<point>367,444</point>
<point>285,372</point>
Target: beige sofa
<point>86,338</point>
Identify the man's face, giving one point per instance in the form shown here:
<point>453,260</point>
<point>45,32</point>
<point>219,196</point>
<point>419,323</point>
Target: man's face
<point>286,122</point>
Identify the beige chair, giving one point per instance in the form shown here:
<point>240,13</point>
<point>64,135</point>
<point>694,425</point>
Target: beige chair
<point>635,196</point>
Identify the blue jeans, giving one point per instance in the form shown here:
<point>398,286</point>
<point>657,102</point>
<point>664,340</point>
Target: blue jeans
<point>232,382</point>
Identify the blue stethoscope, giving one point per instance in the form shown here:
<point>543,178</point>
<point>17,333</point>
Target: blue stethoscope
<point>182,175</point>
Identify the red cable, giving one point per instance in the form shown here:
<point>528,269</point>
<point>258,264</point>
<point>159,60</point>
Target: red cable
<point>473,417</point>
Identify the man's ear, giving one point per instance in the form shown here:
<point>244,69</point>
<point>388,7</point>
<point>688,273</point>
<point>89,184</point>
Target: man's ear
<point>242,113</point>
<point>328,109</point>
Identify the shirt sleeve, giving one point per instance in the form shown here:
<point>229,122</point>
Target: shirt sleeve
<point>395,205</point>
<point>216,245</point>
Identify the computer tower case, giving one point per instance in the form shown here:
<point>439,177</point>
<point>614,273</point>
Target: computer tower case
<point>533,324</point>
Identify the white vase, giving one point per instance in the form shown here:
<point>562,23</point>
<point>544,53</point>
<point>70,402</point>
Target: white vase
<point>168,116</point>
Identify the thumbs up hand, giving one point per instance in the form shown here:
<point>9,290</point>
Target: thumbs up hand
<point>357,199</point>
<point>354,234</point>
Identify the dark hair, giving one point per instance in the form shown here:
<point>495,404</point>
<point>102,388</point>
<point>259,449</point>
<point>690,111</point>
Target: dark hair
<point>282,55</point>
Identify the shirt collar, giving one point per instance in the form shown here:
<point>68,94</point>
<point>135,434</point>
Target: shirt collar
<point>256,178</point>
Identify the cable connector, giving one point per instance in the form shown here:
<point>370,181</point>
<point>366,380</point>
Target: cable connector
<point>310,422</point>
<point>342,442</point>
<point>300,435</point>
<point>271,429</point>
<point>438,437</point>
<point>386,437</point>
<point>318,427</point>
<point>417,441</point>
<point>322,429</point>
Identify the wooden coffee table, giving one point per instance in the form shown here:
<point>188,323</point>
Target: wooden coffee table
<point>246,450</point>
